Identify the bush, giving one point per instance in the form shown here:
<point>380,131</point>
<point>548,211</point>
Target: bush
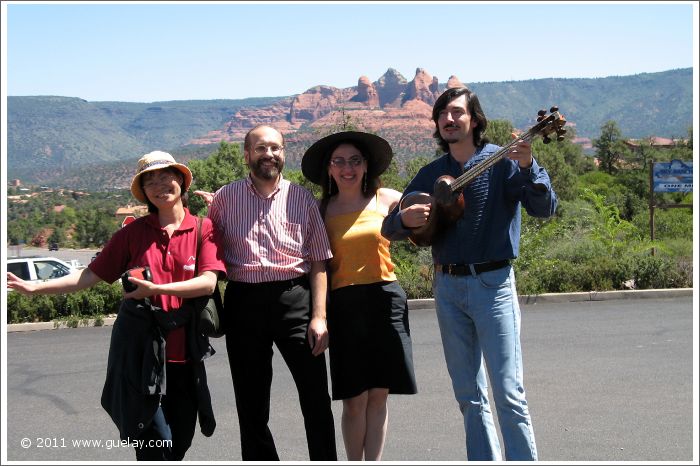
<point>556,276</point>
<point>414,269</point>
<point>662,272</point>
<point>100,299</point>
<point>31,308</point>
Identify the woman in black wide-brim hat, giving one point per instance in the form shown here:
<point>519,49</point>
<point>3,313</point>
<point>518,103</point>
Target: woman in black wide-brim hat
<point>370,345</point>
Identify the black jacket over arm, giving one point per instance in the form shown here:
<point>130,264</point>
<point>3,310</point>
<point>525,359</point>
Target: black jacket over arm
<point>136,376</point>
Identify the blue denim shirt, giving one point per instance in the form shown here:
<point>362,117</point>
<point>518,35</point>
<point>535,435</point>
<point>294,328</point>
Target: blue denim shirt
<point>489,230</point>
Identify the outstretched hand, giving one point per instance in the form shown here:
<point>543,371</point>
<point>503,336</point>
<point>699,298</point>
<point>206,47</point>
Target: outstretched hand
<point>17,284</point>
<point>207,196</point>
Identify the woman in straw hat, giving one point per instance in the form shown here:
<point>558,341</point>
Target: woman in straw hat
<point>153,334</point>
<point>370,344</point>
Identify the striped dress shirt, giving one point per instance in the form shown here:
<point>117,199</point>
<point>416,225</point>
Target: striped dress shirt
<point>268,239</point>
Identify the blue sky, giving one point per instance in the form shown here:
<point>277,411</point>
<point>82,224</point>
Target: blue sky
<point>151,52</point>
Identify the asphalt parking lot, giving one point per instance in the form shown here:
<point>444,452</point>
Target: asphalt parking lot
<point>607,380</point>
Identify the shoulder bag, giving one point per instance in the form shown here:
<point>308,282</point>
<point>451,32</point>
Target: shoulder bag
<point>208,308</point>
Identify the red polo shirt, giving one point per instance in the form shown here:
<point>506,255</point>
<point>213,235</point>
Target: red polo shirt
<point>171,259</point>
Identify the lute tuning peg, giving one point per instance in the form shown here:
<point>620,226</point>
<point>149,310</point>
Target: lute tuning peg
<point>554,109</point>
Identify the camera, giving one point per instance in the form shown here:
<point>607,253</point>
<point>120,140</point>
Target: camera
<point>143,273</point>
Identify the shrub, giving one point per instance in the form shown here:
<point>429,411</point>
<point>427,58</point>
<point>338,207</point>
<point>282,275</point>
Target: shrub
<point>414,269</point>
<point>103,298</point>
<point>662,272</point>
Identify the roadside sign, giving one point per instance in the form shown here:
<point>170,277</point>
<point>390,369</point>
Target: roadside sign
<point>674,176</point>
<point>127,220</point>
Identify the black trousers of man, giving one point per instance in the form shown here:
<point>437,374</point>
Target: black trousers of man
<point>259,314</point>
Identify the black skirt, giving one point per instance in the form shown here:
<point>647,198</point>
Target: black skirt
<point>370,340</point>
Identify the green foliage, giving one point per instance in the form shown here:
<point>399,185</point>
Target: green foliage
<point>22,308</point>
<point>414,268</point>
<point>101,299</point>
<point>610,147</point>
<point>297,177</point>
<point>551,157</point>
<point>225,165</point>
<point>499,132</point>
<point>661,272</point>
<point>607,227</point>
<point>392,179</point>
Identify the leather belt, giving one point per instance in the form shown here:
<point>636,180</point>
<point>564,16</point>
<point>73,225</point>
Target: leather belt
<point>463,269</point>
<point>279,284</point>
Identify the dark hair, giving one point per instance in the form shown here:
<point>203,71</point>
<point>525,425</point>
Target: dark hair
<point>474,109</point>
<point>183,194</point>
<point>328,185</point>
<point>246,140</point>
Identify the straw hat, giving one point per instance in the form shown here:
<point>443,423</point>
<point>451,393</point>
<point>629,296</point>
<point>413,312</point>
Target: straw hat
<point>375,149</point>
<point>157,160</point>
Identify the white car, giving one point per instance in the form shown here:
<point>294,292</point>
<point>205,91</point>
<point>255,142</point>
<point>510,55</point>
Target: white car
<point>33,268</point>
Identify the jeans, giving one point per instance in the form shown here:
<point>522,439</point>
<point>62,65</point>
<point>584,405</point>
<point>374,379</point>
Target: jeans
<point>479,319</point>
<point>175,420</point>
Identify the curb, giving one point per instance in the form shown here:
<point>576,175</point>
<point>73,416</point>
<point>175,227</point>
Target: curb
<point>547,298</point>
<point>32,326</point>
<point>429,304</point>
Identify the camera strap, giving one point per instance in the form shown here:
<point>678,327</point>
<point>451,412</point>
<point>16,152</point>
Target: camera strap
<point>199,240</point>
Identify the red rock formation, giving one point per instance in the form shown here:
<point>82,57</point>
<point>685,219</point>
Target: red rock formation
<point>390,88</point>
<point>317,102</point>
<point>421,88</point>
<point>454,82</point>
<point>366,93</point>
<point>390,106</point>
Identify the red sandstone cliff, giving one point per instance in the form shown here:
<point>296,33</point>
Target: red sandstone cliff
<point>389,105</point>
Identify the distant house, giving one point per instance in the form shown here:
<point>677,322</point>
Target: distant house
<point>585,143</point>
<point>655,142</point>
<point>136,211</point>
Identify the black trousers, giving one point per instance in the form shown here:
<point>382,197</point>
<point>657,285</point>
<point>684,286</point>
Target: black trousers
<point>260,314</point>
<point>170,433</point>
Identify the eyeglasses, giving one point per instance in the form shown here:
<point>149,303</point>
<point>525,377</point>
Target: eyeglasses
<point>352,161</point>
<point>158,179</point>
<point>262,149</point>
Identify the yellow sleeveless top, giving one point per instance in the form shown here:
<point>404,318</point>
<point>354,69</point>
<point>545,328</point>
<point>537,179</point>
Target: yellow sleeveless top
<point>360,252</point>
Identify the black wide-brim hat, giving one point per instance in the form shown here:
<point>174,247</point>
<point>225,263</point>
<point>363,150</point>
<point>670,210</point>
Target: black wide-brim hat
<point>375,149</point>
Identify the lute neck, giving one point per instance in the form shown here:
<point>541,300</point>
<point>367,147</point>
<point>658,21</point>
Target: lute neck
<point>468,176</point>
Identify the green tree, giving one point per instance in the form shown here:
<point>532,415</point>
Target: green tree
<point>220,168</point>
<point>499,132</point>
<point>297,177</point>
<point>391,178</point>
<point>610,147</point>
<point>551,157</point>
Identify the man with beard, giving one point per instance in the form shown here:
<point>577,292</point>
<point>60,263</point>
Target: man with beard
<point>474,285</point>
<point>275,247</point>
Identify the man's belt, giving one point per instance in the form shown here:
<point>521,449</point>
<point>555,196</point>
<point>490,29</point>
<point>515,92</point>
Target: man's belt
<point>464,269</point>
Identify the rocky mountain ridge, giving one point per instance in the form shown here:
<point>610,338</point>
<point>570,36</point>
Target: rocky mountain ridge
<point>55,140</point>
<point>391,100</point>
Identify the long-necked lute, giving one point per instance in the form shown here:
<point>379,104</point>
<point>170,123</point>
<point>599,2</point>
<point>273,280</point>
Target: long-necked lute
<point>447,200</point>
